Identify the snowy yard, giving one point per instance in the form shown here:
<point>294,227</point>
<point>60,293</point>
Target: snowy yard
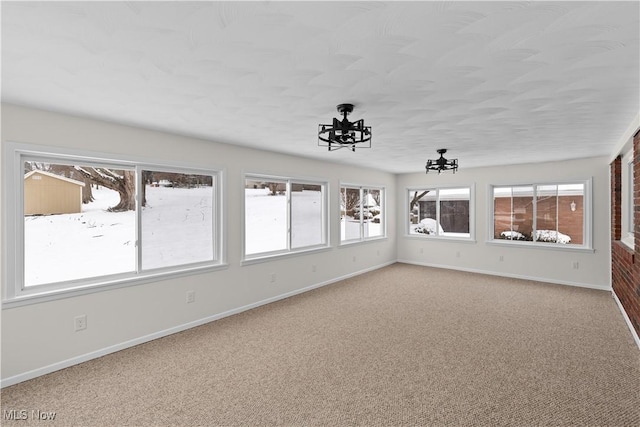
<point>176,228</point>
<point>428,226</point>
<point>75,246</point>
<point>266,220</point>
<point>350,228</point>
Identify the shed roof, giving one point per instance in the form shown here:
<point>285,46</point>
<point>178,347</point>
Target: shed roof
<point>53,175</point>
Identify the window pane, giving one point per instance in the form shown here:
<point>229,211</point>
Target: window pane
<point>306,215</point>
<point>423,212</point>
<point>454,212</point>
<point>522,212</point>
<point>571,213</point>
<point>559,213</point>
<point>350,213</point>
<point>502,216</point>
<point>265,220</point>
<point>546,214</point>
<point>176,219</point>
<point>513,212</point>
<point>76,225</point>
<point>372,213</point>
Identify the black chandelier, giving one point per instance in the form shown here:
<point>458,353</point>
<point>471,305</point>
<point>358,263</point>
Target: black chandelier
<point>343,133</point>
<point>442,164</point>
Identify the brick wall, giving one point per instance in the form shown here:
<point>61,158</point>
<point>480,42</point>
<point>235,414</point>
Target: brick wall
<point>625,263</point>
<point>569,222</point>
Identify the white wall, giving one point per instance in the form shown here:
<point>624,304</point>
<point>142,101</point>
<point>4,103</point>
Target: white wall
<point>554,266</point>
<point>39,338</point>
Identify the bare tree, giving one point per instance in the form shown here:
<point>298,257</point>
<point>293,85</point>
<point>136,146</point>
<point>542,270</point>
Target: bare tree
<point>122,181</point>
<point>350,199</point>
<point>416,197</point>
<point>376,196</point>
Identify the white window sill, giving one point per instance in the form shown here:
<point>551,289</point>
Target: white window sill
<point>345,243</point>
<point>448,237</point>
<point>256,259</point>
<point>38,294</point>
<point>541,245</point>
<point>629,241</point>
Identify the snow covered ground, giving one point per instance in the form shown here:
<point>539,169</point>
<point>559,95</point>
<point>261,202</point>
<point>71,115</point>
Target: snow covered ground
<point>350,228</point>
<point>176,229</point>
<point>266,220</point>
<point>177,226</point>
<point>428,226</point>
<point>75,246</point>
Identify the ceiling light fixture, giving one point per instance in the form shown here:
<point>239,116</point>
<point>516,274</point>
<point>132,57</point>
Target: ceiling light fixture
<point>442,164</point>
<point>343,133</point>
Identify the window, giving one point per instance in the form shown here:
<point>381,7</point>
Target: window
<point>628,220</point>
<point>83,221</point>
<point>440,212</point>
<point>361,213</point>
<point>552,214</point>
<point>283,215</point>
<point>630,198</point>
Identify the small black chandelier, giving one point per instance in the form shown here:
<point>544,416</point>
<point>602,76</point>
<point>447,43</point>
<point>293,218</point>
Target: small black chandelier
<point>343,133</point>
<point>442,164</point>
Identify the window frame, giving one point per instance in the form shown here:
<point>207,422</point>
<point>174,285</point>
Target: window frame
<point>407,213</point>
<point>15,293</point>
<point>289,250</point>
<point>383,212</point>
<point>628,220</point>
<point>587,224</point>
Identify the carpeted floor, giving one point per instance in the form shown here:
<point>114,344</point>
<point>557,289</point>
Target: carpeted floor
<point>403,345</point>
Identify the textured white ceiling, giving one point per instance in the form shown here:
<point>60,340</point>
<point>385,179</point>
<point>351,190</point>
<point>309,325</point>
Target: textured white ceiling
<point>494,82</point>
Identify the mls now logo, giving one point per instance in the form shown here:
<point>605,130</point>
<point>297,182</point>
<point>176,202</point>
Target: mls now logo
<point>14,414</point>
<point>23,414</point>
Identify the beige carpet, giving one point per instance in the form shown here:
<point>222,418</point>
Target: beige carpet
<point>403,345</point>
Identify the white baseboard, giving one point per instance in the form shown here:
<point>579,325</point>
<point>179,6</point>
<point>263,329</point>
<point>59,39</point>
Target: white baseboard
<point>634,334</point>
<point>150,337</point>
<point>179,328</point>
<point>509,275</point>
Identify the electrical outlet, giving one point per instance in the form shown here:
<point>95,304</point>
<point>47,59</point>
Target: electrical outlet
<point>273,277</point>
<point>378,252</point>
<point>313,268</point>
<point>458,254</point>
<point>501,258</point>
<point>80,322</point>
<point>354,258</point>
<point>191,297</point>
<point>576,265</point>
<point>421,250</point>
